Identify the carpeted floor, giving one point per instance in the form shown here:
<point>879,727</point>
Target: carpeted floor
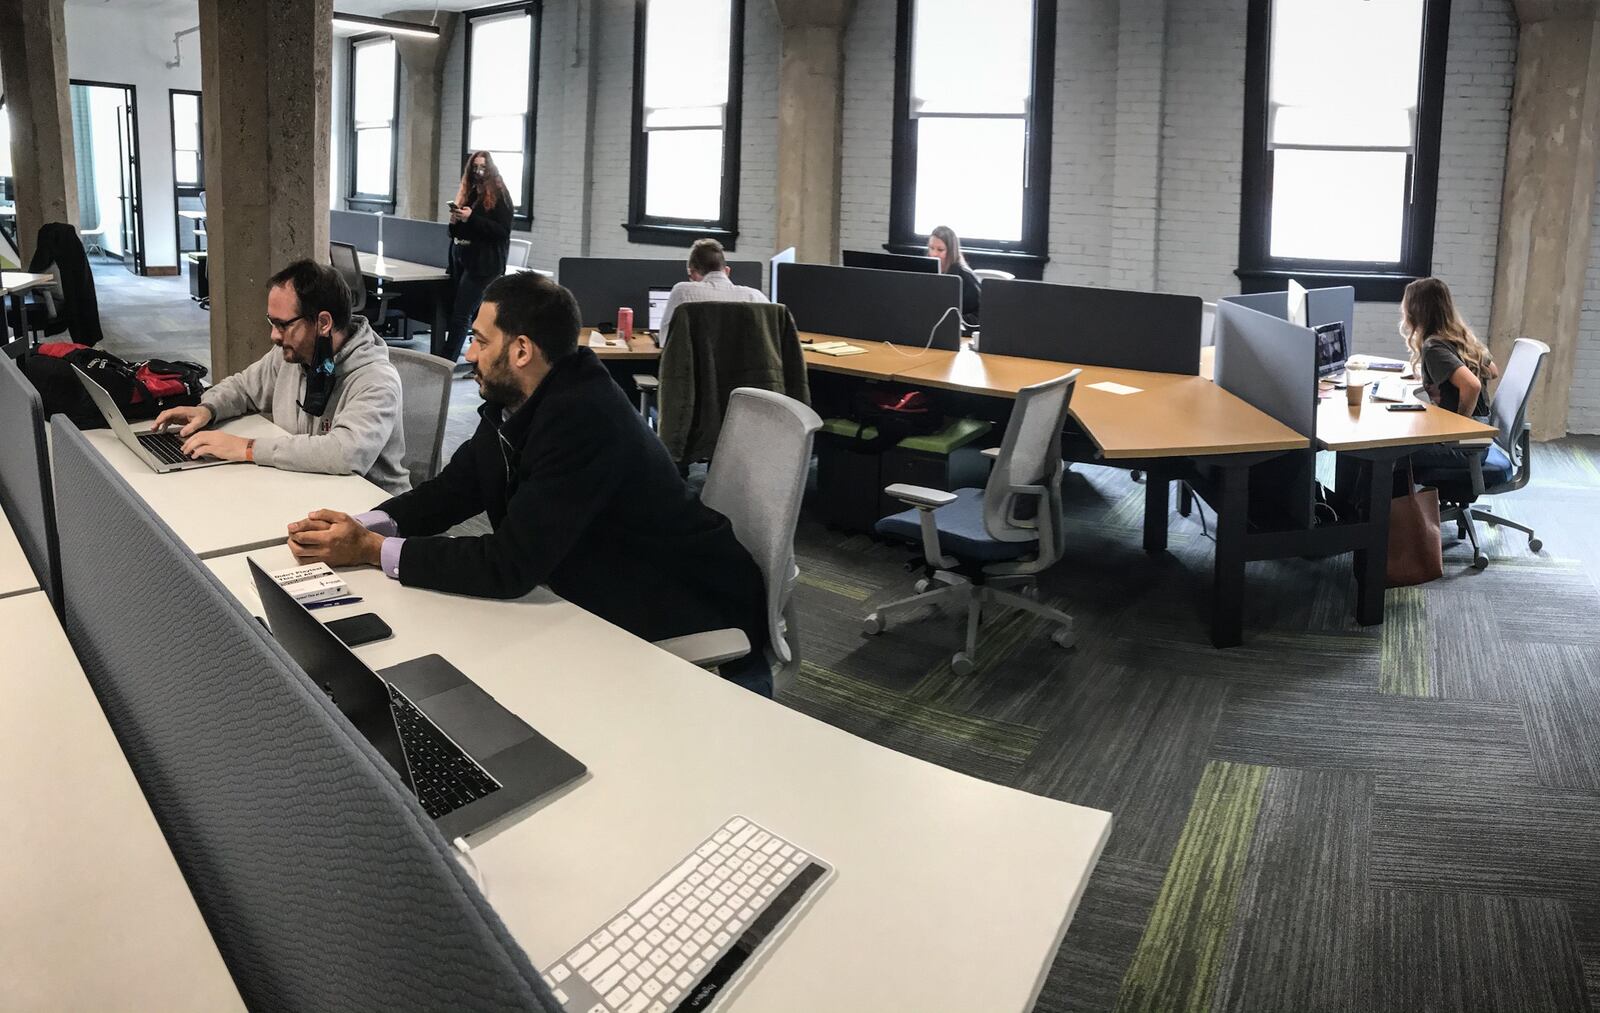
<point>1334,818</point>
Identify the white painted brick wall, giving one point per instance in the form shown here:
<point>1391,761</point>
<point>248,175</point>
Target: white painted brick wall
<point>1583,405</point>
<point>1084,129</point>
<point>868,127</point>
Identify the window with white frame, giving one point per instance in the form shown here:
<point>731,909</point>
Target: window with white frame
<point>502,48</point>
<point>374,83</point>
<point>1342,137</point>
<point>686,115</point>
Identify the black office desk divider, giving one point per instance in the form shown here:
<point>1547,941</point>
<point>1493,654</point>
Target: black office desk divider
<point>868,305</point>
<point>355,228</point>
<point>602,285</point>
<point>417,241</point>
<point>1092,326</point>
<point>321,879</point>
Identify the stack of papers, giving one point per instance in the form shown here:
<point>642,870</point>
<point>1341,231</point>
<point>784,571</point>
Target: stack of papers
<point>316,582</point>
<point>598,340</point>
<point>836,348</point>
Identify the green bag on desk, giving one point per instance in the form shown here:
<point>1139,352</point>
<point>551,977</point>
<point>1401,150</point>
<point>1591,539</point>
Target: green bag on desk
<point>1415,553</point>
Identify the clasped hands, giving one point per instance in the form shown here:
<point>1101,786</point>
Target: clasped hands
<point>328,536</point>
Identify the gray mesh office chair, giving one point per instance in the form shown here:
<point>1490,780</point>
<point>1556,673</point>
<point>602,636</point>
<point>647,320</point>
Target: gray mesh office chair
<point>425,401</point>
<point>25,493</point>
<point>1506,465</point>
<point>517,255</point>
<point>324,884</point>
<point>756,480</point>
<point>977,542</point>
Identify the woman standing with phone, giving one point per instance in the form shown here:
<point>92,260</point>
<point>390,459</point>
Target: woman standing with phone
<point>480,237</point>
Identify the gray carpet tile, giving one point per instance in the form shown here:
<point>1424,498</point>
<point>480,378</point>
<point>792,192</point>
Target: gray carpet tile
<point>1133,742</point>
<point>1297,728</point>
<point>1480,835</point>
<point>1560,687</point>
<point>1087,974</point>
<point>1472,952</point>
<point>1300,938</point>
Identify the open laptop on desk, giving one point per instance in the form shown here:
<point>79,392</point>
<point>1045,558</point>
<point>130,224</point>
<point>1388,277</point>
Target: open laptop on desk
<point>468,760</point>
<point>162,452</point>
<point>658,314</point>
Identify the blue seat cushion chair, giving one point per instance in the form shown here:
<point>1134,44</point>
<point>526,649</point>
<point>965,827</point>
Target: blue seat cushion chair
<point>1497,470</point>
<point>961,530</point>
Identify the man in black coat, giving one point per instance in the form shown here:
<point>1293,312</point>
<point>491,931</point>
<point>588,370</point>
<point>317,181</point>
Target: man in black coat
<point>581,493</point>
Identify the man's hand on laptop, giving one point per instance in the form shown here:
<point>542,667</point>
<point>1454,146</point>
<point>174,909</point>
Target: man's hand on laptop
<point>328,536</point>
<point>211,443</point>
<point>189,419</point>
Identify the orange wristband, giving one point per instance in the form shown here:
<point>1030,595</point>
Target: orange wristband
<point>250,451</point>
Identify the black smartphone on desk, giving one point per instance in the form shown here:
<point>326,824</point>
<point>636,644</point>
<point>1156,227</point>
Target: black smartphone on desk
<point>1408,407</point>
<point>365,628</point>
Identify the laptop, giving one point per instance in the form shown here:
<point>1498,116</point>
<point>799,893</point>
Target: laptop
<point>468,760</point>
<point>162,451</point>
<point>658,312</point>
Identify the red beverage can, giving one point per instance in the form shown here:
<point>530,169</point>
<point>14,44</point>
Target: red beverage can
<point>625,323</point>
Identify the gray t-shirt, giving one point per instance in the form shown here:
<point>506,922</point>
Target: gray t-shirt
<point>1439,364</point>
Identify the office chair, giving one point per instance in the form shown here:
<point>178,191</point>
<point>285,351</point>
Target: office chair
<point>347,262</point>
<point>1506,464</point>
<point>425,385</point>
<point>978,542</point>
<point>987,274</point>
<point>94,239</point>
<point>517,258</point>
<point>756,480</point>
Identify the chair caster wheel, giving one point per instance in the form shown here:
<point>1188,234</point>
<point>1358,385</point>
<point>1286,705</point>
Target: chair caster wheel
<point>1064,639</point>
<point>960,664</point>
<point>872,625</point>
<point>1534,545</point>
<point>921,585</point>
<point>1480,562</point>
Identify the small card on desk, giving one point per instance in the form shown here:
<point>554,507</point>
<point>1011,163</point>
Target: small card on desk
<point>598,340</point>
<point>313,582</point>
<point>836,348</point>
<point>1115,388</point>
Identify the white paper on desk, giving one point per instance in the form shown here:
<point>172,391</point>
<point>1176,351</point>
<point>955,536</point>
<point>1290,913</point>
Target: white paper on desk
<point>1116,388</point>
<point>598,340</point>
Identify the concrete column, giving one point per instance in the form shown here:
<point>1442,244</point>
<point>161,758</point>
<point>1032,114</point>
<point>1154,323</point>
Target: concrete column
<point>421,86</point>
<point>1545,224</point>
<point>1136,176</point>
<point>33,62</point>
<point>810,122</point>
<point>265,71</point>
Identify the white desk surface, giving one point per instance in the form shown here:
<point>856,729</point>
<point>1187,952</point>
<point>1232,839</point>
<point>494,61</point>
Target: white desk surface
<point>96,914</point>
<point>16,576</point>
<point>390,269</point>
<point>22,281</point>
<point>233,507</point>
<point>950,893</point>
<point>193,216</point>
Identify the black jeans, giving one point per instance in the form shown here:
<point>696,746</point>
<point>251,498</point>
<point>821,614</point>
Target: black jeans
<point>469,293</point>
<point>751,671</point>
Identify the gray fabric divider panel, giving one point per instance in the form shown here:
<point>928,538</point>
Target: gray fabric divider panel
<point>323,882</point>
<point>1092,326</point>
<point>352,227</point>
<point>868,305</point>
<point>1270,363</point>
<point>1273,304</point>
<point>417,241</point>
<point>25,492</point>
<point>602,285</point>
<point>1327,305</point>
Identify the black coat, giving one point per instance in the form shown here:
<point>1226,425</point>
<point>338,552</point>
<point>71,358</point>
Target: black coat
<point>490,235</point>
<point>583,498</point>
<point>59,249</point>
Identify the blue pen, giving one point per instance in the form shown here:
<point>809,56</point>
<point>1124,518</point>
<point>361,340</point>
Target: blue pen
<point>331,602</point>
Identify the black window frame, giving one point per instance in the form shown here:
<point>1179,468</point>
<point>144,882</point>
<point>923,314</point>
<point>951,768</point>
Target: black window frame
<point>1258,270</point>
<point>185,189</point>
<point>1026,257</point>
<point>369,201</point>
<point>521,214</point>
<point>662,231</point>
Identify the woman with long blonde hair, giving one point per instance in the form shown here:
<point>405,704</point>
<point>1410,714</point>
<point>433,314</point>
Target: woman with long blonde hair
<point>480,240</point>
<point>1453,363</point>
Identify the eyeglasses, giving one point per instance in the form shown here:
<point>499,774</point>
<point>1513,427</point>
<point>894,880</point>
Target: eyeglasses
<point>282,326</point>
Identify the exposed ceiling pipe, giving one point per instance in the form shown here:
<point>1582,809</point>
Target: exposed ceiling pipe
<point>177,48</point>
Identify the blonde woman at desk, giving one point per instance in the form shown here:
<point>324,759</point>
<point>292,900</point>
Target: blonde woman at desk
<point>944,244</point>
<point>1455,366</point>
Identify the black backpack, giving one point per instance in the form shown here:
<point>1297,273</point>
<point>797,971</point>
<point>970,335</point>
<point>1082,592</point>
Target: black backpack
<point>142,390</point>
<point>895,414</point>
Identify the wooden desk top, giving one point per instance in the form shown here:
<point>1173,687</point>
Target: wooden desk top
<point>882,360</point>
<point>96,914</point>
<point>1171,415</point>
<point>641,349</point>
<point>1343,426</point>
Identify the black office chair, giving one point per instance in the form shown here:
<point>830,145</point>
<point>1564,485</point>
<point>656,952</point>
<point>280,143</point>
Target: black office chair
<point>347,262</point>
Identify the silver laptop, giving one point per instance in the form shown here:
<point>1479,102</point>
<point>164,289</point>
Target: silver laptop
<point>161,451</point>
<point>658,308</point>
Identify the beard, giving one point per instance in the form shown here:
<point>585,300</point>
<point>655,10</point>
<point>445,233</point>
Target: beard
<point>496,385</point>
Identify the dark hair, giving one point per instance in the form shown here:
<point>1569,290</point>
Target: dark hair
<point>705,257</point>
<point>529,303</point>
<point>319,288</point>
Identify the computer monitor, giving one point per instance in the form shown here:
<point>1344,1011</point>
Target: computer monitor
<point>658,308</point>
<point>890,261</point>
<point>1333,348</point>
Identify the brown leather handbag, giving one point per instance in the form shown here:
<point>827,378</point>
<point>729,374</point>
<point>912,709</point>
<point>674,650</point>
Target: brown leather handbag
<point>1415,554</point>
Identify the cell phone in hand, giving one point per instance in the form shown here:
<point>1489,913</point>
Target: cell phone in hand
<point>365,628</point>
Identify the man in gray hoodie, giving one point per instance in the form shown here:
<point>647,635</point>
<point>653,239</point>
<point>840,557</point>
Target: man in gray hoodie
<point>328,383</point>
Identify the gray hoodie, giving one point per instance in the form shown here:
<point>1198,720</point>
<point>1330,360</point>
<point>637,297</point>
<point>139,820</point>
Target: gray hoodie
<point>360,433</point>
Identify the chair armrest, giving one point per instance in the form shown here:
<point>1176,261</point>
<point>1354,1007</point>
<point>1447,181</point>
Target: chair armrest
<point>644,381</point>
<point>992,453</point>
<point>920,496</point>
<point>709,649</point>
